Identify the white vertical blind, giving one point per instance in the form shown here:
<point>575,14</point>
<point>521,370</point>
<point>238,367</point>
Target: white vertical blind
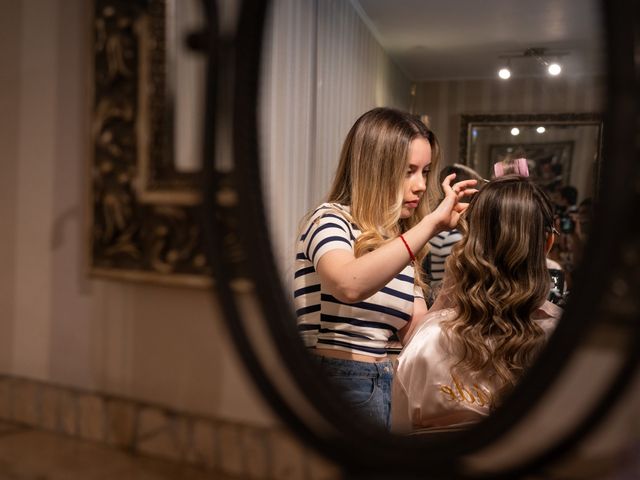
<point>287,119</point>
<point>322,69</point>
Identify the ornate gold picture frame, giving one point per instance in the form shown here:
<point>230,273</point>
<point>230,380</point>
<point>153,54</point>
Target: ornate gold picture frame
<point>144,223</point>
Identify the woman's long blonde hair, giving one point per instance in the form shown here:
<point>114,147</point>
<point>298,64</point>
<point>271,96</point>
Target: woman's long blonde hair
<point>370,175</point>
<point>498,279</point>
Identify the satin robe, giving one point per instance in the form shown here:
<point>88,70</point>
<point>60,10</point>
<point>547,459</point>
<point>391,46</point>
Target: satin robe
<point>427,395</point>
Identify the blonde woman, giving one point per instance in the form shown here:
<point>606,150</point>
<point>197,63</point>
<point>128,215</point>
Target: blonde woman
<point>491,318</point>
<point>359,254</point>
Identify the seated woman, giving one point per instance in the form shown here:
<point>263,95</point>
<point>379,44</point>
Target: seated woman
<point>491,318</point>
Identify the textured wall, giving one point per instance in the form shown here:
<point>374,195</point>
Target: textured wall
<point>445,101</point>
<point>9,103</point>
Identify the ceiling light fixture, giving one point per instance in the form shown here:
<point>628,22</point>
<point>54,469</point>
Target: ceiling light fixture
<point>554,69</point>
<point>505,72</point>
<point>541,55</point>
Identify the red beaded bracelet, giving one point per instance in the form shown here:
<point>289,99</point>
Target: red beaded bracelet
<point>413,257</point>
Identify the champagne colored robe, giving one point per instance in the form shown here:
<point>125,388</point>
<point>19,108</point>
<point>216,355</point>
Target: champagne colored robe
<point>427,395</point>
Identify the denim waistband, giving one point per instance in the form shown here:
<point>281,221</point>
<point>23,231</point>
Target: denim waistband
<point>341,367</point>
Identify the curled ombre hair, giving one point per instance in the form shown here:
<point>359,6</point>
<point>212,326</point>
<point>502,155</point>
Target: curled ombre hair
<point>498,278</point>
<point>370,175</point>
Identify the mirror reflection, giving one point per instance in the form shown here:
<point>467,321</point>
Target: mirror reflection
<point>562,153</point>
<point>364,230</point>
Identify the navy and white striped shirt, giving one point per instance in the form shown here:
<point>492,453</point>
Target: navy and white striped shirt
<point>326,322</point>
<point>440,249</point>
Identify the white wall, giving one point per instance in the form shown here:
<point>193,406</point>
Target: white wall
<point>159,344</point>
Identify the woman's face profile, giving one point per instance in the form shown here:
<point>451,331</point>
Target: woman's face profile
<point>415,180</point>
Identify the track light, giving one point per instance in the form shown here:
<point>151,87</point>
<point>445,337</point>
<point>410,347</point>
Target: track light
<point>554,69</point>
<point>539,54</point>
<point>505,72</point>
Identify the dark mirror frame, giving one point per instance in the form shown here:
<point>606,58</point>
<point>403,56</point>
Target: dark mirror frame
<point>604,300</point>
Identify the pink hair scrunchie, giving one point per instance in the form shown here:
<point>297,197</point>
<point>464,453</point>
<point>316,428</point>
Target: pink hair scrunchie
<point>518,167</point>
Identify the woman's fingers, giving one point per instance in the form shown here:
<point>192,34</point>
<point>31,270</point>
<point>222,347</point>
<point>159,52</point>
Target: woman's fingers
<point>461,207</point>
<point>463,185</point>
<point>459,189</point>
<point>447,188</point>
<point>464,188</point>
<point>450,206</point>
<point>448,179</point>
<point>466,192</point>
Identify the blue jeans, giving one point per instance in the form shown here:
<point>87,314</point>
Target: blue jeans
<point>365,386</point>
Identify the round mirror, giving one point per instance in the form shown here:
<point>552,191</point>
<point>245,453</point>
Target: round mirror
<point>301,73</point>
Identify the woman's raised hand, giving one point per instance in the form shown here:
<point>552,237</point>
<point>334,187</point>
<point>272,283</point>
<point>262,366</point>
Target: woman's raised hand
<point>448,212</point>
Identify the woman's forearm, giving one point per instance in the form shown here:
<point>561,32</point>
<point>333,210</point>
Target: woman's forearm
<point>353,279</point>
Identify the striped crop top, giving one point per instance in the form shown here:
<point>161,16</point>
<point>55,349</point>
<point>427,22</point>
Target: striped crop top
<point>441,246</point>
<point>323,320</point>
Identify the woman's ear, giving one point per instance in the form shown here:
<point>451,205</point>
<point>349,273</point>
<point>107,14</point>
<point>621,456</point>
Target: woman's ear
<point>551,237</point>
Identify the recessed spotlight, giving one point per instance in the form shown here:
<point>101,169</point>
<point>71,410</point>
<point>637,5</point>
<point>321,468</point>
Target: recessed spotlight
<point>515,131</point>
<point>541,129</point>
<point>554,69</point>
<point>504,73</point>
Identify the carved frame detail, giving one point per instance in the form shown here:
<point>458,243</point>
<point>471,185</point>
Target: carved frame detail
<point>145,217</point>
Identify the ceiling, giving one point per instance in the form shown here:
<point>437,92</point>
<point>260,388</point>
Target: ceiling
<point>455,39</point>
